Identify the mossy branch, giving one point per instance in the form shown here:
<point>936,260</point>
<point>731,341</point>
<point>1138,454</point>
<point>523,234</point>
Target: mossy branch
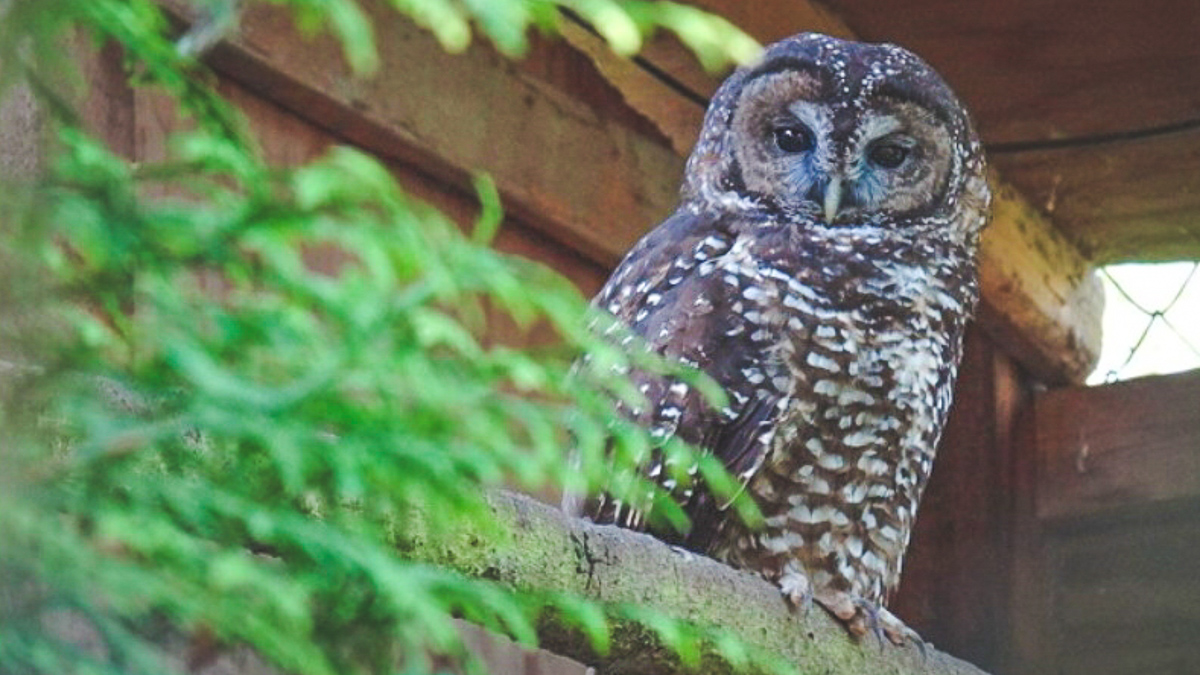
<point>538,548</point>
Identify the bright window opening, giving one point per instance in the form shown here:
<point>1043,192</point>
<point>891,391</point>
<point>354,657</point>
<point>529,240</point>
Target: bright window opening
<point>1151,320</point>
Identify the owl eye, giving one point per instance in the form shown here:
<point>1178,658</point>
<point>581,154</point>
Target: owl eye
<point>888,155</point>
<point>793,138</point>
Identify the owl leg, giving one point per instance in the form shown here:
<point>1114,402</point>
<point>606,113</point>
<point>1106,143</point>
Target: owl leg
<point>896,630</point>
<point>862,616</point>
<point>796,587</point>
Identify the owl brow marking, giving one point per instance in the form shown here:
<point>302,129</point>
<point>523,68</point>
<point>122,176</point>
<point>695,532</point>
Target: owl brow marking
<point>783,64</point>
<point>875,127</point>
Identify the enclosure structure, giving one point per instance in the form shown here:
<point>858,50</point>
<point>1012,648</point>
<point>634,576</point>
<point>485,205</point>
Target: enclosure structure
<point>1060,529</point>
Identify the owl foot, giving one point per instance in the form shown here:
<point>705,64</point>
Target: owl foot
<point>797,589</point>
<point>862,616</point>
<point>897,631</point>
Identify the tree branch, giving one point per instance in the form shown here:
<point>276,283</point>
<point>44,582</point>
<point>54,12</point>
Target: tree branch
<point>536,547</point>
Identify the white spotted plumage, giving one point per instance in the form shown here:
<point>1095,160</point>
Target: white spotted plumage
<point>821,268</point>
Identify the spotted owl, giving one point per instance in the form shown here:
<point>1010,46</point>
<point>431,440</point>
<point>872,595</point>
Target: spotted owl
<point>821,268</point>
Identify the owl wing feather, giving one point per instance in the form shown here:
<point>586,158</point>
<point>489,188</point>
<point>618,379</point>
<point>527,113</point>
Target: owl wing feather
<point>672,292</point>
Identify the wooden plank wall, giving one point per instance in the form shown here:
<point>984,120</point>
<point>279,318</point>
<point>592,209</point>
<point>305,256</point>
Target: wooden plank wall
<point>955,590</point>
<point>1111,583</point>
<point>1110,448</point>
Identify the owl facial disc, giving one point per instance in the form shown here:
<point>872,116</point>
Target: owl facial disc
<point>839,133</point>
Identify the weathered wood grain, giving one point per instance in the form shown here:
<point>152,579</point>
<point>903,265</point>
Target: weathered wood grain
<point>1109,448</point>
<point>1043,70</point>
<point>1127,596</point>
<point>1118,201</point>
<point>1041,299</point>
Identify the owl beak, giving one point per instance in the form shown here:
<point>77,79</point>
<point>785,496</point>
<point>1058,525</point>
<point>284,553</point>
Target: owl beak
<point>833,198</point>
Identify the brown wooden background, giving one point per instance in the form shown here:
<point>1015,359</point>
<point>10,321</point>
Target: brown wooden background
<point>1060,532</point>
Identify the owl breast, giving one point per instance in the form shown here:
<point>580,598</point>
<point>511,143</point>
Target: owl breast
<point>857,334</point>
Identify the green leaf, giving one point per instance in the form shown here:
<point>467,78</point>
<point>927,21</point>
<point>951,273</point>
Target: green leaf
<point>445,19</point>
<point>354,30</point>
<point>588,617</point>
<point>612,22</point>
<point>504,21</point>
<point>491,215</point>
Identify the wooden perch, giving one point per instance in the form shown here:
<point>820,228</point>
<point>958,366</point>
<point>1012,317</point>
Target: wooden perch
<point>537,547</point>
<point>534,546</point>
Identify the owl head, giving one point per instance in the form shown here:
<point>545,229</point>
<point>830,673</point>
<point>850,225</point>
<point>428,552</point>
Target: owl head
<point>837,133</point>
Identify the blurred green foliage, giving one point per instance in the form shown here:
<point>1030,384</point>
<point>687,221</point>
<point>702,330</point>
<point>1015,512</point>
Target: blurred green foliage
<point>199,431</point>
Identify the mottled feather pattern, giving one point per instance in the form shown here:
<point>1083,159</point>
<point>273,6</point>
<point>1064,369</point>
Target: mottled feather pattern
<point>820,268</point>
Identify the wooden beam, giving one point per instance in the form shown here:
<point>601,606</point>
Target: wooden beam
<point>1119,201</point>
<point>1031,70</point>
<point>579,177</point>
<point>1040,297</point>
<point>772,20</point>
<point>591,182</point>
<point>1111,448</point>
<point>676,117</point>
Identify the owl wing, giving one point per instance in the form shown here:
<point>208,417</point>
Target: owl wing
<point>673,291</point>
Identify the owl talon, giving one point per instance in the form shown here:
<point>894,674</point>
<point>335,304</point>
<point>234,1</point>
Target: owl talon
<point>861,616</point>
<point>870,614</point>
<point>842,605</point>
<point>896,631</point>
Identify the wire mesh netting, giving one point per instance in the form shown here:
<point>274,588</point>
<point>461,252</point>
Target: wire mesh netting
<point>1151,320</point>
